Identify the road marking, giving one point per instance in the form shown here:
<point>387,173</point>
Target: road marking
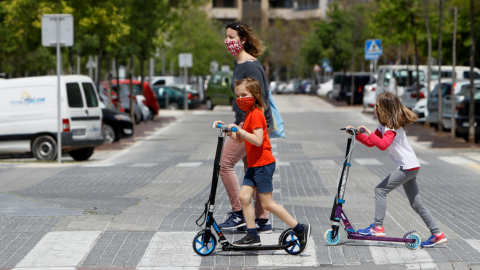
<point>456,160</point>
<point>168,250</point>
<point>323,162</point>
<point>96,165</point>
<point>474,157</point>
<point>279,258</point>
<point>367,161</point>
<point>384,253</point>
<point>145,165</point>
<point>476,166</point>
<point>474,243</point>
<point>421,161</point>
<point>189,164</point>
<point>282,163</point>
<point>59,249</point>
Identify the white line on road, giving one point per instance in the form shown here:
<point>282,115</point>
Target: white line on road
<point>189,164</point>
<point>422,162</point>
<point>474,243</point>
<point>280,258</point>
<point>323,162</point>
<point>457,160</point>
<point>146,165</point>
<point>367,161</point>
<point>59,249</point>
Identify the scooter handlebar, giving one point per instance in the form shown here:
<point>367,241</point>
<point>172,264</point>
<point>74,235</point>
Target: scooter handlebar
<point>353,130</point>
<point>225,127</point>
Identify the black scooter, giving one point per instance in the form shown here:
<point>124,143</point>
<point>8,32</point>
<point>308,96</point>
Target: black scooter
<point>205,241</point>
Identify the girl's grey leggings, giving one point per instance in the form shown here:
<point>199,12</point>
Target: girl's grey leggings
<point>409,181</point>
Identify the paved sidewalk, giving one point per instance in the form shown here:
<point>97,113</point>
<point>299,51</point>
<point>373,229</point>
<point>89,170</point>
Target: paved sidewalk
<point>136,209</point>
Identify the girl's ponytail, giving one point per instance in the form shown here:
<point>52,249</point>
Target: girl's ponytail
<point>391,112</point>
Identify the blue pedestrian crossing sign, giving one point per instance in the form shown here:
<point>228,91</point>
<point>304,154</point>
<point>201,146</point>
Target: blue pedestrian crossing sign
<point>373,49</point>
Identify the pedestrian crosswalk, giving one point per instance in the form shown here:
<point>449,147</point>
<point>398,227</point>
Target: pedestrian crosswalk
<point>66,250</point>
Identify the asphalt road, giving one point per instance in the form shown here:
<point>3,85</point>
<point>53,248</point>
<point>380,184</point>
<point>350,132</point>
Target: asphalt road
<point>136,208</point>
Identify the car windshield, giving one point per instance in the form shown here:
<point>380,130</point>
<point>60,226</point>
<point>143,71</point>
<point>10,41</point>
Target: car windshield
<point>446,89</point>
<point>372,80</point>
<point>337,79</point>
<point>125,90</point>
<point>466,91</point>
<point>408,77</point>
<point>445,74</point>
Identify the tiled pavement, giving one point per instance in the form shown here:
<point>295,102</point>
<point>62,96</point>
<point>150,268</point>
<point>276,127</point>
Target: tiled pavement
<point>137,210</point>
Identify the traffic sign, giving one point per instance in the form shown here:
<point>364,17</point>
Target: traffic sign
<point>185,60</point>
<point>316,68</point>
<point>49,30</point>
<point>325,63</point>
<point>373,49</point>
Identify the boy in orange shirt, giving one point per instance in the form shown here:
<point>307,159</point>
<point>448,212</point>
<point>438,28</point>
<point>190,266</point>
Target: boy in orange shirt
<point>261,164</point>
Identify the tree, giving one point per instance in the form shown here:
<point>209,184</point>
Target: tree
<point>429,37</point>
<point>439,87</point>
<point>471,130</point>
<point>454,75</point>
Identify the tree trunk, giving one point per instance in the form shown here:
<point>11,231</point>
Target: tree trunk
<point>417,82</point>
<point>132,113</point>
<point>471,130</point>
<point>352,97</point>
<point>454,75</point>
<point>440,113</point>
<point>142,73</point>
<point>72,62</point>
<point>99,63</point>
<point>109,82</point>
<point>429,63</point>
<point>118,84</point>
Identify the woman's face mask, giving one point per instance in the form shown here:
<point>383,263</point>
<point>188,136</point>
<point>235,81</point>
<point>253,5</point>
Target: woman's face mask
<point>234,46</point>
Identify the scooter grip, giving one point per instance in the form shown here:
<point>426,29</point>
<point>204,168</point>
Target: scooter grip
<point>225,127</point>
<point>362,130</point>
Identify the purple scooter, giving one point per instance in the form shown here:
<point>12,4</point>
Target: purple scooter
<point>332,237</point>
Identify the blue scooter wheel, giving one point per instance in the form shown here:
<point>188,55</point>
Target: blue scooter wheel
<point>200,248</point>
<point>290,236</point>
<point>329,240</point>
<point>415,245</point>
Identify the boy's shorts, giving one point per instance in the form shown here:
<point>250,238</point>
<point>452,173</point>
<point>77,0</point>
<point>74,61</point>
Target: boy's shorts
<point>260,177</point>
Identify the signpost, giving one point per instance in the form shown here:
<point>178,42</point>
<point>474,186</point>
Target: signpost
<point>57,30</point>
<point>213,66</point>
<point>185,60</point>
<point>373,50</point>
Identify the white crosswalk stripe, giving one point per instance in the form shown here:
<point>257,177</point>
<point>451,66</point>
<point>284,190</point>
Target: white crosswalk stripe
<point>392,253</point>
<point>269,258</point>
<point>456,160</point>
<point>59,250</point>
<point>367,161</point>
<point>474,243</point>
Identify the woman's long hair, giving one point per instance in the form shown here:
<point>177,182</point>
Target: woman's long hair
<point>253,86</point>
<point>253,45</point>
<point>391,112</point>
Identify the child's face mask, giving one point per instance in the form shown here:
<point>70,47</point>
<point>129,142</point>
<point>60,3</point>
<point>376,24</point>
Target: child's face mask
<point>245,103</point>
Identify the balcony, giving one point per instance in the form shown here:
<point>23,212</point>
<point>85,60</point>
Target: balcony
<point>224,3</point>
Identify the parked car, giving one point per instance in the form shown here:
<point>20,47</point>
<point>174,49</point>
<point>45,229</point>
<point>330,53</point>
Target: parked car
<point>175,97</point>
<point>462,90</point>
<point>142,104</point>
<point>274,85</point>
<point>337,81</point>
<point>116,125</point>
<point>291,86</point>
<point>125,101</point>
<point>325,89</point>
<point>219,91</point>
<point>360,80</point>
<point>463,120</point>
<point>304,87</point>
<point>405,76</point>
<point>432,101</point>
<point>28,116</point>
<point>420,109</point>
<point>281,88</point>
<point>369,94</point>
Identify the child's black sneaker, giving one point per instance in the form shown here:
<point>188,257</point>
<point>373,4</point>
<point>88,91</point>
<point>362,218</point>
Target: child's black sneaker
<point>248,240</point>
<point>304,237</point>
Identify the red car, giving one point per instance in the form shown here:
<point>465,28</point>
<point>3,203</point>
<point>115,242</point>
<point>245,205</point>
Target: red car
<point>150,99</point>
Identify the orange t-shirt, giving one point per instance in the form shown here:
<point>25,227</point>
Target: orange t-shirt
<point>257,156</point>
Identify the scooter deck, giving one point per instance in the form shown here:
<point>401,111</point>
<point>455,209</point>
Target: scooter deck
<point>356,236</point>
<point>231,247</point>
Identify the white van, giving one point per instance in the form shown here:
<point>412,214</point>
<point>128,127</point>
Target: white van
<point>386,79</point>
<point>28,116</point>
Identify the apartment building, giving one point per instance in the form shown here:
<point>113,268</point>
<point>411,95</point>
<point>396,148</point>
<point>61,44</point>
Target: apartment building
<point>266,10</point>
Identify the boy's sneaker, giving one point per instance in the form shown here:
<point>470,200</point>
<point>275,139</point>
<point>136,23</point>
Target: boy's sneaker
<point>248,240</point>
<point>304,237</point>
<point>233,221</point>
<point>435,239</point>
<point>373,231</point>
<point>261,227</point>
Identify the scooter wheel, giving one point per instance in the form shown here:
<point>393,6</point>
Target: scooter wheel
<point>290,236</point>
<point>329,240</point>
<point>282,236</point>
<point>200,248</point>
<point>415,245</point>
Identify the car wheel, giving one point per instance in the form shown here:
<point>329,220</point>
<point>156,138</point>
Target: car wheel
<point>173,106</point>
<point>82,154</point>
<point>109,134</point>
<point>44,148</point>
<point>209,104</point>
<point>138,119</point>
<point>330,95</point>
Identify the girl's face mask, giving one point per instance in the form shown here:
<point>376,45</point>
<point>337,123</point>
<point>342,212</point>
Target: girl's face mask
<point>245,103</point>
<point>234,46</point>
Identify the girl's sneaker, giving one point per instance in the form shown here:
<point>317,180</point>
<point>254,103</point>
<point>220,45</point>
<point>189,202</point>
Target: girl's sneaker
<point>233,221</point>
<point>248,240</point>
<point>435,239</point>
<point>261,227</point>
<point>373,231</point>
